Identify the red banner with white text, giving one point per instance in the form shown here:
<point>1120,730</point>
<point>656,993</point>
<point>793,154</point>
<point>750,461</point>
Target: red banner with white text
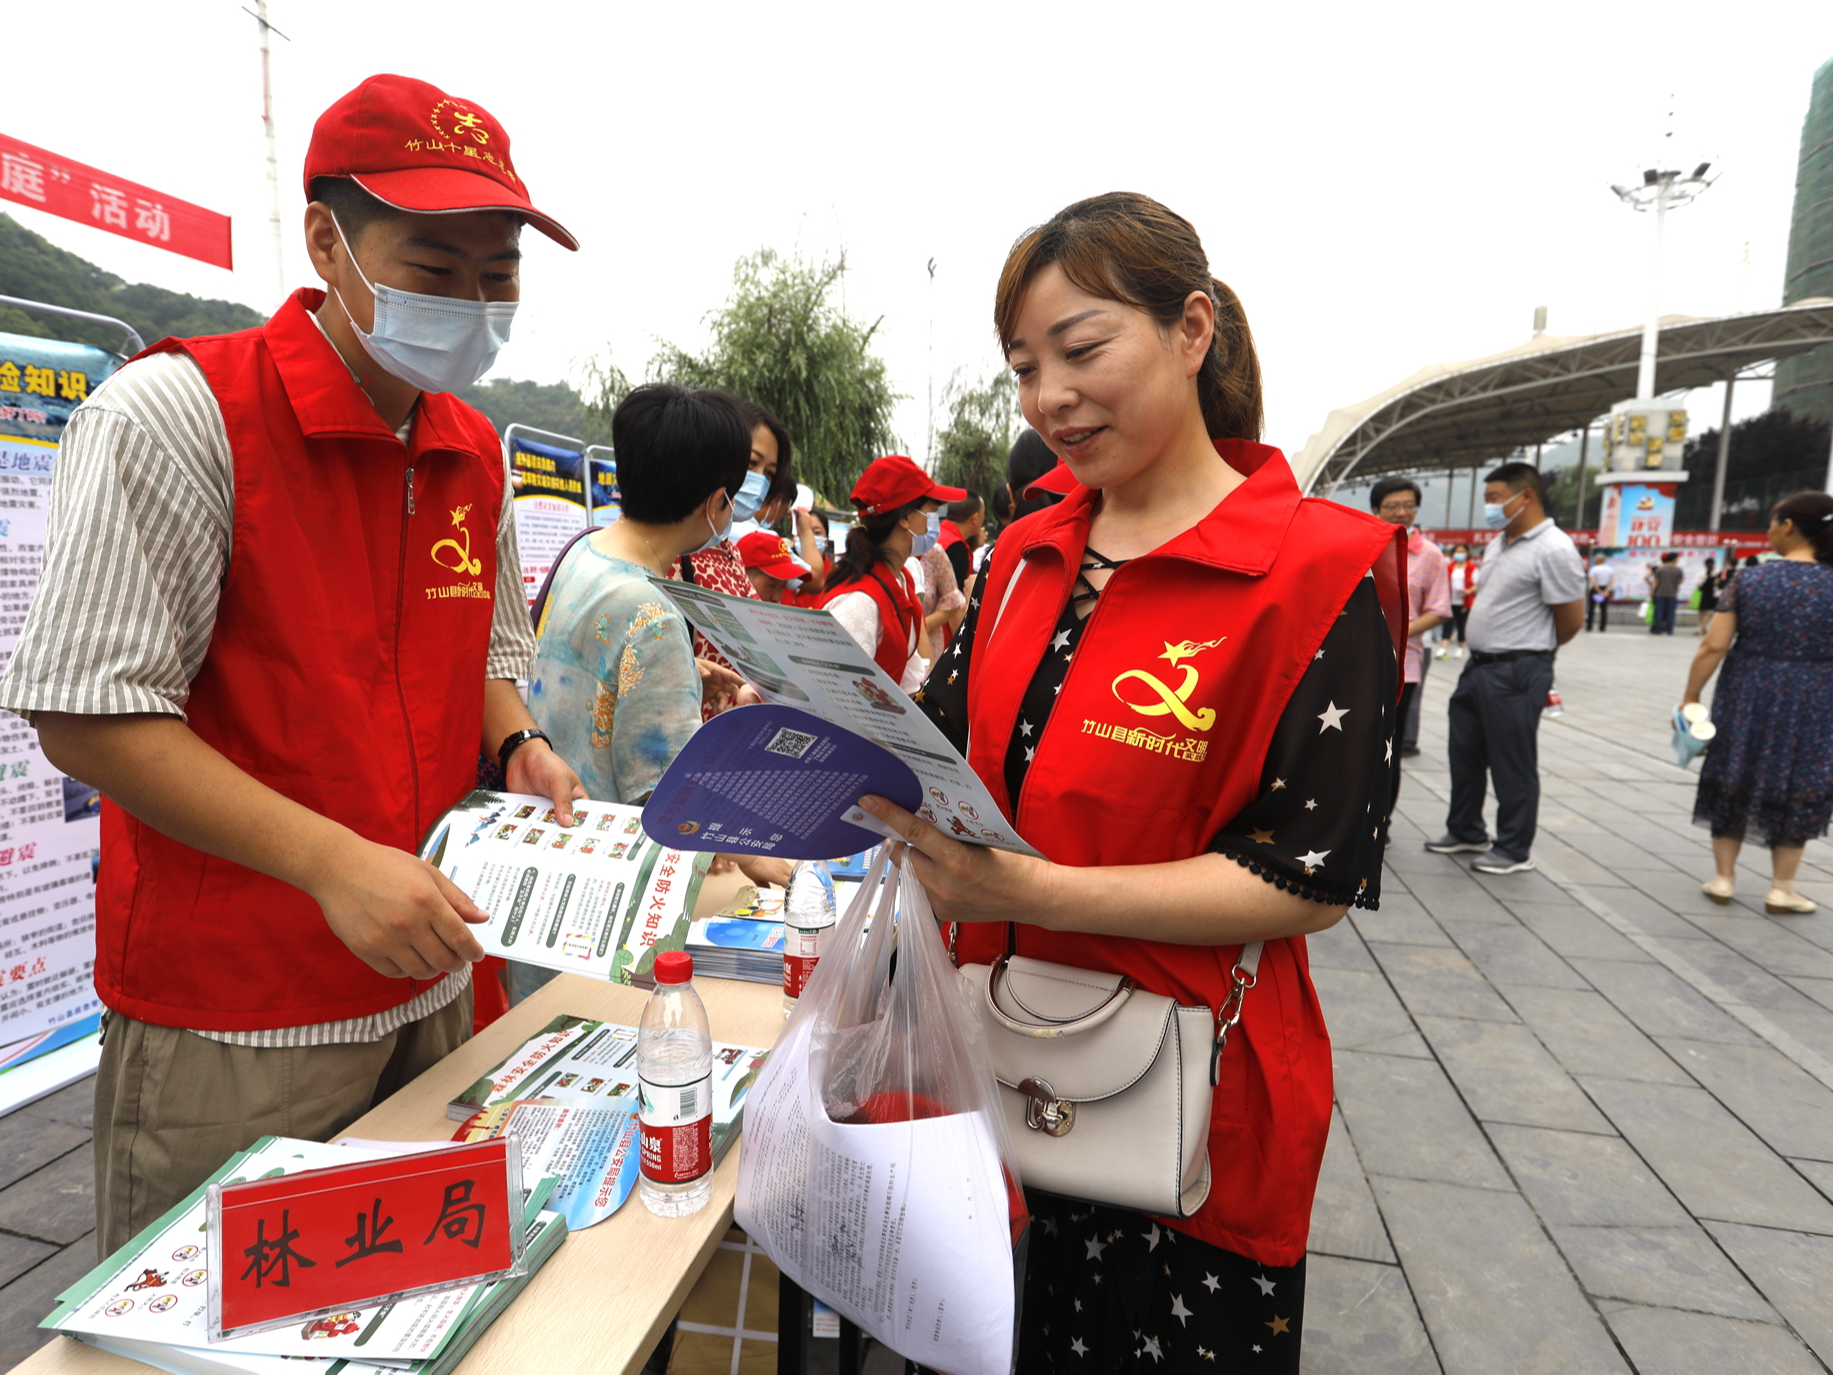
<point>31,176</point>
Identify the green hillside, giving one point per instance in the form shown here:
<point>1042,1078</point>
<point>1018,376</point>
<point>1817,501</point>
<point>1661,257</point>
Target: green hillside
<point>33,267</point>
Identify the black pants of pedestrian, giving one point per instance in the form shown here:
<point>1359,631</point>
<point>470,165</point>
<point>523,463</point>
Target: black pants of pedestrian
<point>1460,615</point>
<point>1495,734</point>
<point>1600,610</point>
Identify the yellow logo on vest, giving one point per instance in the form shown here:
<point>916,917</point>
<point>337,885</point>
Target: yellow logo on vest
<point>1171,701</point>
<point>454,554</point>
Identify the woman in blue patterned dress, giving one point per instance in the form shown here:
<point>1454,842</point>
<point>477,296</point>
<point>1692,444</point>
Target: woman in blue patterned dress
<point>1770,767</point>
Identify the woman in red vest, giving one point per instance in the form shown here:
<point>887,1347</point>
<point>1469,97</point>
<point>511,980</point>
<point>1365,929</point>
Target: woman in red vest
<point>1180,683</point>
<point>871,593</point>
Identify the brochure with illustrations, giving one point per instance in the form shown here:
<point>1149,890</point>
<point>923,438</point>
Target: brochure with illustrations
<point>592,1064</point>
<point>152,1293</point>
<point>598,898</point>
<point>784,778</point>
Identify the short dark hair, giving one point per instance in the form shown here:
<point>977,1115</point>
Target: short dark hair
<point>1522,477</point>
<point>354,207</point>
<point>1030,458</point>
<point>1670,557</point>
<point>674,447</point>
<point>966,508</point>
<point>1388,486</point>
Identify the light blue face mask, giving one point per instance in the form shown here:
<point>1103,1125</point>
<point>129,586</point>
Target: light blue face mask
<point>750,498</point>
<point>923,543</point>
<point>718,535</point>
<point>1495,513</point>
<point>435,343</point>
<point>820,544</point>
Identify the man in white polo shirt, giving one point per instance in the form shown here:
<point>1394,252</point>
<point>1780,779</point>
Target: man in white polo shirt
<point>1530,600</point>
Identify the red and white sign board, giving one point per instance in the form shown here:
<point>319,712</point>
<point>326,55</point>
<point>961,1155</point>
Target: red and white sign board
<point>31,176</point>
<point>322,1241</point>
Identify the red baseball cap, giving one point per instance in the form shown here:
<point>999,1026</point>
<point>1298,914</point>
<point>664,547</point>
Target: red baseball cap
<point>894,481</point>
<point>770,554</point>
<point>413,147</point>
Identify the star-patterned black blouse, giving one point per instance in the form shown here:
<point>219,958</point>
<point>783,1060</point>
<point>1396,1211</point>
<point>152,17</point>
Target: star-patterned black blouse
<point>1317,825</point>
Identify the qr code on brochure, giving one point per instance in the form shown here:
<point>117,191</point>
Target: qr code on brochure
<point>791,743</point>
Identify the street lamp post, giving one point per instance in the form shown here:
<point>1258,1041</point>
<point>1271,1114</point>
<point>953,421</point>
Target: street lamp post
<point>1644,437</point>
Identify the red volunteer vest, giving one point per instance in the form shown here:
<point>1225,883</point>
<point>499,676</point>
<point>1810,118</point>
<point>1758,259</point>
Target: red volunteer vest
<point>345,671</point>
<point>898,613</point>
<point>1148,753</point>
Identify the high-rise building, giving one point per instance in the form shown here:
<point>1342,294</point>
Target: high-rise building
<point>1804,384</point>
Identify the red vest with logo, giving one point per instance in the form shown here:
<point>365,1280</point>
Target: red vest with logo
<point>345,671</point>
<point>1143,762</point>
<point>898,612</point>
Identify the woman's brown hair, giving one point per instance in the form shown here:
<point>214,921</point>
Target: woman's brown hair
<point>1126,247</point>
<point>1812,513</point>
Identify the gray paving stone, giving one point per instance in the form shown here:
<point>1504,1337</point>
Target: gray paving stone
<point>1506,1075</point>
<point>1589,1036</point>
<point>1667,1340</point>
<point>1776,1099</point>
<point>1819,1173</point>
<point>1362,1013</point>
<point>28,1299</point>
<point>1574,1178</point>
<point>19,1254</point>
<point>1515,954</point>
<point>1792,1269</point>
<point>1399,927</point>
<point>1440,982</point>
<point>1571,930</point>
<point>1660,1004</point>
<point>1561,863</point>
<point>55,1202</point>
<point>1493,1292</point>
<point>1669,1267</point>
<point>1339,947</point>
<point>1648,915</point>
<point>1360,1319</point>
<point>1716,1165</point>
<point>1810,1024</point>
<point>27,1143</point>
<point>1774,947</point>
<point>1740,980</point>
<point>1344,1219</point>
<point>1452,895</point>
<point>74,1104</point>
<point>1407,1121</point>
<point>1820,990</point>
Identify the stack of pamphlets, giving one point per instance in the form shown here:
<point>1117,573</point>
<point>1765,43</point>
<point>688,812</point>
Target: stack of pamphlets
<point>743,943</point>
<point>581,1062</point>
<point>149,1301</point>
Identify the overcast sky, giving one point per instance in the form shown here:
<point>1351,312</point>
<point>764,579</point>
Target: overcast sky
<point>1384,185</point>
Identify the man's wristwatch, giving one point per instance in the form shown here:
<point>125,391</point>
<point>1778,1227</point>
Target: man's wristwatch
<point>515,742</point>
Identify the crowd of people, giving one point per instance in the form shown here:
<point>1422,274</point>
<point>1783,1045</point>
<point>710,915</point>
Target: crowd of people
<point>1188,684</point>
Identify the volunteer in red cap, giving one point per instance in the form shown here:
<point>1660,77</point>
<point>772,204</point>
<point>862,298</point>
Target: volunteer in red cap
<point>775,572</point>
<point>280,615</point>
<point>871,593</point>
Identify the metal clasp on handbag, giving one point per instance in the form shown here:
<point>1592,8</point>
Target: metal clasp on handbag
<point>1044,1111</point>
<point>1230,1011</point>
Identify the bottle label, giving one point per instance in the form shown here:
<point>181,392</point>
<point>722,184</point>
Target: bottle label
<point>801,951</point>
<point>677,1130</point>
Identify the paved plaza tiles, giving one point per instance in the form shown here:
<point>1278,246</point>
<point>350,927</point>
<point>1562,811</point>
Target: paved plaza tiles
<point>1585,1116</point>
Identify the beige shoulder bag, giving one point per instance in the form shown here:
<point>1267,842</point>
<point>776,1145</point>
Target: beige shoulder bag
<point>1106,1088</point>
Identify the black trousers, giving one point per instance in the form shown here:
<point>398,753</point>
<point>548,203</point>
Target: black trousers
<point>1599,610</point>
<point>1460,616</point>
<point>1495,734</point>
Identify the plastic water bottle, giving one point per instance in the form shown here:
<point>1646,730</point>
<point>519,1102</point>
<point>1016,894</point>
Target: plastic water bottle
<point>674,1067</point>
<point>808,921</point>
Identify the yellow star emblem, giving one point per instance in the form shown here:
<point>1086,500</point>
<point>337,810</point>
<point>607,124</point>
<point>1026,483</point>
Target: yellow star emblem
<point>1280,1325</point>
<point>1187,649</point>
<point>1261,837</point>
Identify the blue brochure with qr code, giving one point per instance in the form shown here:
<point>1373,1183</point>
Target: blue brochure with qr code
<point>772,780</point>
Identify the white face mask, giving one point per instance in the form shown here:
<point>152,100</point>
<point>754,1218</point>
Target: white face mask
<point>435,343</point>
<point>923,543</point>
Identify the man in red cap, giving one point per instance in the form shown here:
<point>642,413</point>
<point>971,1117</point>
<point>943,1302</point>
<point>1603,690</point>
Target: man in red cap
<point>871,593</point>
<point>280,615</point>
<point>775,572</point>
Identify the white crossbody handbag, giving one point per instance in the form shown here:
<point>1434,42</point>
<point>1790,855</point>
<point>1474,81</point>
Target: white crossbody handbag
<point>1106,1089</point>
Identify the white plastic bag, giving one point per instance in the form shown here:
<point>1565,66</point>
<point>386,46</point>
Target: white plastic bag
<point>874,1167</point>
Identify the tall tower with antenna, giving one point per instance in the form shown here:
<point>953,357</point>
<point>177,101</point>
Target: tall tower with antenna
<point>273,158</point>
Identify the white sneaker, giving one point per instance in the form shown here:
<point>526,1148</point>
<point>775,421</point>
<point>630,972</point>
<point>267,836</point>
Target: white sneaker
<point>1458,653</point>
<point>1439,653</point>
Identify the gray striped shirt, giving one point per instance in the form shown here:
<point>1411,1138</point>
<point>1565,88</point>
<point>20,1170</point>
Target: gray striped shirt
<point>141,514</point>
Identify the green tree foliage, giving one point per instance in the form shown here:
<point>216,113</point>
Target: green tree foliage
<point>551,406</point>
<point>982,422</point>
<point>782,340</point>
<point>32,267</point>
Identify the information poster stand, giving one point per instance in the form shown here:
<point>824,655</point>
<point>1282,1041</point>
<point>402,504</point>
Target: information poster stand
<point>547,477</point>
<point>49,824</point>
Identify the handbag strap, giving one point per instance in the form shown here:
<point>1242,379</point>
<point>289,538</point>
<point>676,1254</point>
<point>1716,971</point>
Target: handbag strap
<point>1243,976</point>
